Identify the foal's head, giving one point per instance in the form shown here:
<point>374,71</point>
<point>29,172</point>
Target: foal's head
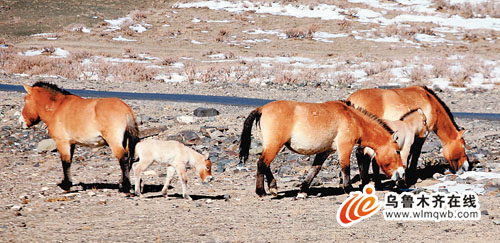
<point>417,119</point>
<point>454,152</point>
<point>204,169</point>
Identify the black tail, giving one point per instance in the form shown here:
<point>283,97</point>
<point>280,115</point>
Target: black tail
<point>131,138</point>
<point>246,134</point>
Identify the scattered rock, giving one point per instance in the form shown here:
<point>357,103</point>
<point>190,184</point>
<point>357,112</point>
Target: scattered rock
<point>186,119</point>
<point>149,132</point>
<point>16,208</point>
<point>492,185</point>
<point>46,145</point>
<point>204,112</point>
<point>436,176</point>
<point>189,137</point>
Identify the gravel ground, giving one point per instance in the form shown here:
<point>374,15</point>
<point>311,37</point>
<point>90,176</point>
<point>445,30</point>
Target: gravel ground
<point>33,208</point>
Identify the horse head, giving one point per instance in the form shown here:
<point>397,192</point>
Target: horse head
<point>30,115</point>
<point>205,169</point>
<point>389,160</point>
<point>454,152</point>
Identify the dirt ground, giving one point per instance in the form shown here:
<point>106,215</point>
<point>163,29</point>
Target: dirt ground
<point>227,210</point>
<point>34,209</point>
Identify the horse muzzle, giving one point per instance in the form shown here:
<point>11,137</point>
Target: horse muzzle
<point>398,174</point>
<point>464,168</point>
<point>22,122</point>
<point>208,179</point>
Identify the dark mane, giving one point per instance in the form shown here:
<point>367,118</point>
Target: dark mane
<point>51,87</point>
<point>445,107</point>
<point>370,115</point>
<point>407,114</point>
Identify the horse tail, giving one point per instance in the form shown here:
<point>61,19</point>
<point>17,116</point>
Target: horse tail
<point>131,137</point>
<point>246,134</point>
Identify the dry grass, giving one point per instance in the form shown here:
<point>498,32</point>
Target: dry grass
<point>302,33</point>
<point>467,10</point>
<point>38,65</point>
<point>418,75</point>
<point>405,32</point>
<point>222,35</point>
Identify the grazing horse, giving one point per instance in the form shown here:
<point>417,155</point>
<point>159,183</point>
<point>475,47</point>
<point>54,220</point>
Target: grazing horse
<point>176,156</point>
<point>410,126</point>
<point>391,104</point>
<point>321,129</point>
<point>72,120</point>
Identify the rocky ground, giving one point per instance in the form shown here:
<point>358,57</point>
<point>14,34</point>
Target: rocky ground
<point>33,208</point>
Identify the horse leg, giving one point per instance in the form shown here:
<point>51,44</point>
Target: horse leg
<point>138,168</point>
<point>363,164</point>
<point>120,154</point>
<point>263,168</point>
<point>411,170</point>
<point>169,177</point>
<point>316,167</point>
<point>376,174</point>
<point>181,171</point>
<point>66,151</point>
<point>344,157</point>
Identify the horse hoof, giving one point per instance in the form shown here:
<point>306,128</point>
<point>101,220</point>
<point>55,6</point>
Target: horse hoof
<point>402,184</point>
<point>348,189</point>
<point>122,188</point>
<point>260,192</point>
<point>65,185</point>
<point>301,195</point>
<point>273,192</point>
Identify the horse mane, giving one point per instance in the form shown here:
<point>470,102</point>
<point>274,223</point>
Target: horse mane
<point>407,114</point>
<point>51,88</point>
<point>445,107</point>
<point>370,115</point>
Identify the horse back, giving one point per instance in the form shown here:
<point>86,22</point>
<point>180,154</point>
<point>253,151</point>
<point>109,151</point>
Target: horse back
<point>306,128</point>
<point>391,104</point>
<point>82,119</point>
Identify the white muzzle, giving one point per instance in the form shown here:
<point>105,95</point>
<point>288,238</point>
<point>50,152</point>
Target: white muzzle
<point>398,174</point>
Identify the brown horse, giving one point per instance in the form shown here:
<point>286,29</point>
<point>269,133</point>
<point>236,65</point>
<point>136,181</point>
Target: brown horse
<point>321,129</point>
<point>393,103</point>
<point>90,122</point>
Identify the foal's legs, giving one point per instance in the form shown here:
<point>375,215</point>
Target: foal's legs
<point>138,168</point>
<point>316,167</point>
<point>263,168</point>
<point>169,177</point>
<point>66,151</point>
<point>181,171</point>
<point>411,170</point>
<point>363,164</point>
<point>376,174</point>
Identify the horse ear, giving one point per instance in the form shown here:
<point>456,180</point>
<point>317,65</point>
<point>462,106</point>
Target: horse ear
<point>461,133</point>
<point>27,88</point>
<point>206,154</point>
<point>395,136</point>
